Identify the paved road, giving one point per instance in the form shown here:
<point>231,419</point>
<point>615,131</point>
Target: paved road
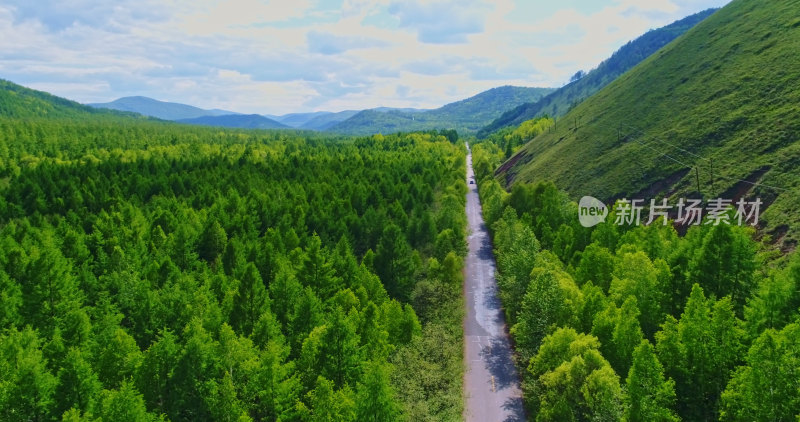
<point>491,382</point>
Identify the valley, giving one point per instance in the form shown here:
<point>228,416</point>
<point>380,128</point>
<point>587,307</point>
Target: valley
<point>621,247</point>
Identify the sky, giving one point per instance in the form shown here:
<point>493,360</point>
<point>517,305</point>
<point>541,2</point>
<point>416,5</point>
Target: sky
<point>276,57</point>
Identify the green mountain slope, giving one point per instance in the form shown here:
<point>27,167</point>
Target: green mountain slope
<point>560,101</point>
<point>244,121</point>
<point>720,103</point>
<point>466,116</point>
<point>159,109</point>
<point>16,101</point>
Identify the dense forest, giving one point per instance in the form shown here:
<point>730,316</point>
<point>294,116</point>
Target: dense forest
<point>153,271</point>
<point>191,270</point>
<point>637,323</point>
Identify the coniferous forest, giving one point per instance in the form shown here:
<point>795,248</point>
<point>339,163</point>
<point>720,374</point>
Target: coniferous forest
<point>368,253</point>
<point>639,323</point>
<point>153,271</point>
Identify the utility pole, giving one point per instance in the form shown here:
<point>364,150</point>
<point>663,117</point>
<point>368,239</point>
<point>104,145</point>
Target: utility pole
<point>711,165</point>
<point>697,175</point>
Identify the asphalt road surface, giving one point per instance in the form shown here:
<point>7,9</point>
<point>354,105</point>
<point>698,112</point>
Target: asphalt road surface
<point>491,381</point>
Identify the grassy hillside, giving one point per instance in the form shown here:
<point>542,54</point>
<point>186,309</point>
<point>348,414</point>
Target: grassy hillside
<point>561,100</point>
<point>243,121</point>
<point>719,102</point>
<point>466,116</point>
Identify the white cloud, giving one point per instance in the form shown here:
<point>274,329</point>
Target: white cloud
<point>278,57</point>
<point>439,21</point>
<point>216,16</point>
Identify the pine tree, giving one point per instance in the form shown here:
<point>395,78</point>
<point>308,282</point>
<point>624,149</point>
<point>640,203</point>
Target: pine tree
<point>307,314</point>
<point>77,386</point>
<point>776,300</point>
<point>672,353</point>
<point>345,264</point>
<point>699,353</point>
<point>124,405</point>
<point>154,376</point>
<point>594,301</point>
<point>400,321</point>
<point>196,366</point>
<point>374,337</point>
<point>222,400</point>
<point>233,258</point>
<point>451,269</point>
<point>393,263</point>
<point>11,298</point>
<point>597,265</point>
<point>518,250</point>
<point>328,404</point>
<point>27,386</point>
<point>696,340</point>
<point>251,300</point>
<point>765,389</point>
<point>284,291</point>
<point>317,272</point>
<point>626,336</point>
<point>636,276</point>
<point>650,397</point>
<point>376,399</point>
<point>726,344</point>
<point>52,289</point>
<point>426,231</point>
<point>340,351</point>
<point>543,310</point>
<point>725,264</point>
<point>116,356</point>
<point>212,241</point>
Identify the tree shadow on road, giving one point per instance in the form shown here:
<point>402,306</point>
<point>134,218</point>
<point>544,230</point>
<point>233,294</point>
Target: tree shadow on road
<point>499,361</point>
<point>516,410</point>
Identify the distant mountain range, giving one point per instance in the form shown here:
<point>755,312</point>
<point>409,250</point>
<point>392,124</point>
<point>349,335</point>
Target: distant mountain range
<point>466,116</point>
<point>563,99</point>
<point>299,120</point>
<point>184,113</point>
<point>326,120</point>
<point>159,109</point>
<point>244,121</point>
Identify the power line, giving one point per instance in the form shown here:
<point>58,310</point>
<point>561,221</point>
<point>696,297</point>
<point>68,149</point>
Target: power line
<point>710,163</point>
<point>661,153</point>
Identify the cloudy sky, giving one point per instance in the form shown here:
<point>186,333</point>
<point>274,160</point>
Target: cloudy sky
<point>275,57</point>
